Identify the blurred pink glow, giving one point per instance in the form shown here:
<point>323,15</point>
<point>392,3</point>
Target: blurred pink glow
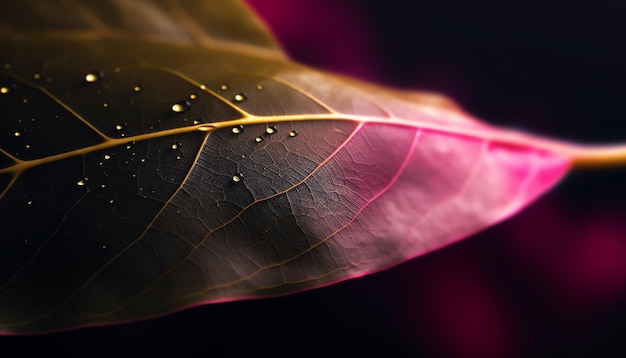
<point>328,34</point>
<point>468,318</point>
<point>582,265</point>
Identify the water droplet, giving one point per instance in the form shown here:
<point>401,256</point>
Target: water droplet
<point>17,134</point>
<point>120,126</point>
<point>29,202</point>
<point>202,87</point>
<point>36,76</point>
<point>4,90</point>
<point>193,96</point>
<point>240,97</point>
<point>258,139</point>
<point>259,87</point>
<point>237,129</point>
<point>105,104</point>
<point>177,145</point>
<point>143,160</point>
<point>94,76</point>
<point>237,178</point>
<point>25,100</point>
<point>103,185</point>
<point>107,156</point>
<point>82,182</point>
<point>293,133</point>
<point>198,121</point>
<point>271,130</point>
<point>137,89</point>
<point>224,87</point>
<point>181,106</point>
<point>104,247</point>
<point>179,156</point>
<point>113,200</point>
<point>27,146</point>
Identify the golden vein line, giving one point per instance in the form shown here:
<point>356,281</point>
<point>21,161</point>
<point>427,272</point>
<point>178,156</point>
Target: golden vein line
<point>588,155</point>
<point>59,102</point>
<point>9,185</point>
<point>23,165</point>
<point>201,86</point>
<point>299,90</point>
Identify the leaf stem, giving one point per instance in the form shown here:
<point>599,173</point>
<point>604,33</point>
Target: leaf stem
<point>585,156</point>
<point>598,156</point>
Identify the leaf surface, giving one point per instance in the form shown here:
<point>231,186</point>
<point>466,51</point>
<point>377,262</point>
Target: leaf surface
<point>160,155</point>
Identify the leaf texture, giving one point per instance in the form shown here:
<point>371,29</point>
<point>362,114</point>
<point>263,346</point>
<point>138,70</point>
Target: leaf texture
<point>160,155</point>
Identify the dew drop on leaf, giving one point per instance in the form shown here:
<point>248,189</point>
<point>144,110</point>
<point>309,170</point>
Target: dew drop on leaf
<point>107,156</point>
<point>224,87</point>
<point>237,178</point>
<point>4,90</point>
<point>137,89</point>
<point>120,126</point>
<point>94,76</point>
<point>259,87</point>
<point>81,182</point>
<point>36,76</point>
<point>237,129</point>
<point>193,96</point>
<point>17,134</point>
<point>240,97</point>
<point>105,104</point>
<point>181,106</point>
<point>271,130</point>
<point>176,145</point>
<point>293,133</point>
<point>258,139</point>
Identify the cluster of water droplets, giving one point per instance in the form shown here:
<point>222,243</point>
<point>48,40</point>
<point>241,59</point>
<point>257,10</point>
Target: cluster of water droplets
<point>21,130</point>
<point>269,130</point>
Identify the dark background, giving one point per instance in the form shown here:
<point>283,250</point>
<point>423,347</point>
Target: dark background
<point>550,282</point>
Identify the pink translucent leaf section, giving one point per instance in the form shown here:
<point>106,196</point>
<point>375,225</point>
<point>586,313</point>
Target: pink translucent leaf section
<point>400,191</point>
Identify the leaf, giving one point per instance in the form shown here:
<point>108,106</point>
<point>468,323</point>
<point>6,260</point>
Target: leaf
<point>152,160</point>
